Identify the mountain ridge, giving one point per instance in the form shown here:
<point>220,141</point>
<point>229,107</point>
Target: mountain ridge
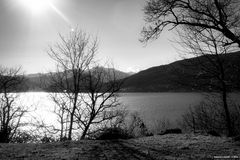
<point>178,76</point>
<point>41,81</point>
<point>173,77</point>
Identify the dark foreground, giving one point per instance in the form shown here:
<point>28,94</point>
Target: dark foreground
<point>182,146</point>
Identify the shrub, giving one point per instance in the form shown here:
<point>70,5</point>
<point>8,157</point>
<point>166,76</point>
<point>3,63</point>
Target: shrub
<point>136,126</point>
<point>130,127</point>
<point>161,125</point>
<point>209,117</point>
<point>63,139</point>
<point>23,137</point>
<point>47,139</point>
<point>213,133</point>
<point>113,133</point>
<point>172,131</point>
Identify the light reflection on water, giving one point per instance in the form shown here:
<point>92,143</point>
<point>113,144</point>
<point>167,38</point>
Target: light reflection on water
<point>151,106</point>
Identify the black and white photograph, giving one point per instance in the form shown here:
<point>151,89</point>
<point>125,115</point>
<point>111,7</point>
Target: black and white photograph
<point>119,79</point>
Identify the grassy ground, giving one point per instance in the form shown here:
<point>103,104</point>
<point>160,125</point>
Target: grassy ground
<point>182,146</point>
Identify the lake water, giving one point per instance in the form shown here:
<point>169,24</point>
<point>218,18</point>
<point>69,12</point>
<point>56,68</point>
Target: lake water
<point>153,107</point>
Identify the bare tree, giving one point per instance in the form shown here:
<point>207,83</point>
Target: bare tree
<point>73,55</point>
<point>10,112</point>
<point>221,16</point>
<point>100,102</point>
<point>207,116</point>
<point>216,71</point>
<point>62,112</point>
<point>207,28</point>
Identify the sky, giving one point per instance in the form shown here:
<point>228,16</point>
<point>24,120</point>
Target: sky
<point>28,27</point>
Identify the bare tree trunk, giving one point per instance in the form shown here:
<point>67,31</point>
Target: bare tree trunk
<point>72,117</point>
<point>62,126</point>
<point>74,54</point>
<point>85,131</point>
<point>10,80</point>
<point>224,99</point>
<point>227,113</point>
<point>194,125</point>
<point>71,126</point>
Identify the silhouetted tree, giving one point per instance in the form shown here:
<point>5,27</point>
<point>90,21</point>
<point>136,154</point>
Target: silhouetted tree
<point>85,95</point>
<point>216,71</point>
<point>207,116</point>
<point>209,29</point>
<point>62,112</point>
<point>73,55</point>
<point>101,103</point>
<point>10,112</point>
<point>219,15</point>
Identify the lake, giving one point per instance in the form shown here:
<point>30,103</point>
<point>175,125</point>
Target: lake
<point>152,107</point>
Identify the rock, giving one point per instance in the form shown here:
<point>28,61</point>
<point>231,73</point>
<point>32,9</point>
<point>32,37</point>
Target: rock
<point>172,131</point>
<point>213,133</point>
<point>185,148</point>
<point>149,134</point>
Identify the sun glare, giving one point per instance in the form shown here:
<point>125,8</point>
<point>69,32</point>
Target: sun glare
<point>36,6</point>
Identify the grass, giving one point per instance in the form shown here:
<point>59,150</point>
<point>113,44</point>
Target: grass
<point>172,146</point>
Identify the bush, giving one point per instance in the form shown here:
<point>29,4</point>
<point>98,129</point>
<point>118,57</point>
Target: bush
<point>47,139</point>
<point>209,116</point>
<point>131,127</point>
<point>23,137</point>
<point>113,133</point>
<point>213,133</point>
<point>172,131</point>
<point>161,125</point>
<point>136,126</point>
<point>63,139</point>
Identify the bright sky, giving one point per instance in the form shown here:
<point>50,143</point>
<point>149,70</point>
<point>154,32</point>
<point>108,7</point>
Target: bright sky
<point>27,27</point>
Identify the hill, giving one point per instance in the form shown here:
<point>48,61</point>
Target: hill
<point>40,81</point>
<point>183,75</point>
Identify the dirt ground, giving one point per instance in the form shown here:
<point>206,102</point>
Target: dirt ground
<point>182,146</point>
